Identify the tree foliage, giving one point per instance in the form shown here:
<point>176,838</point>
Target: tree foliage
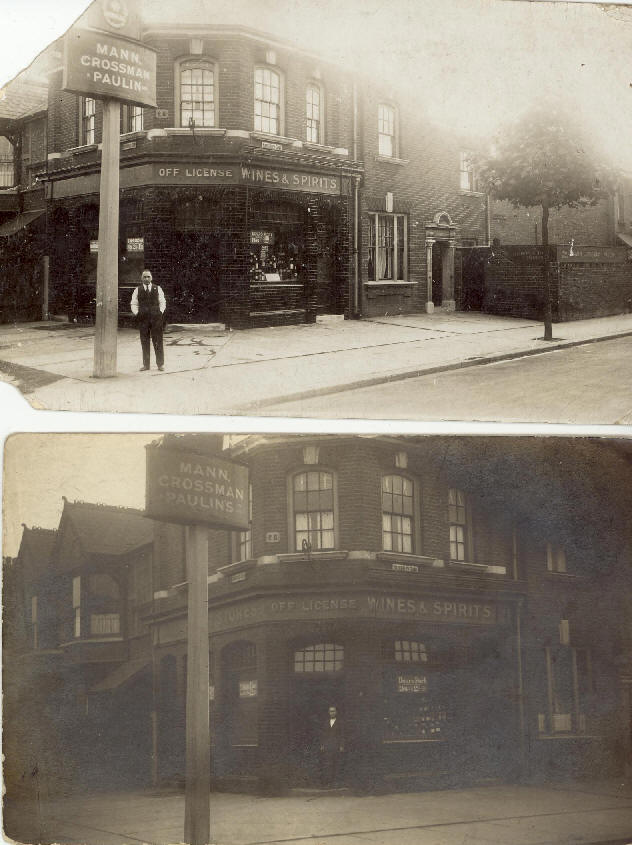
<point>546,160</point>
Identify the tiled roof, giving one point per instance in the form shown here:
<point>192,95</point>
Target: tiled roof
<point>39,541</point>
<point>19,99</point>
<point>108,530</point>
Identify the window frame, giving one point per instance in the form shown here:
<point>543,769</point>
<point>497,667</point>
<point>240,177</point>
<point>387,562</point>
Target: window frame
<point>130,117</point>
<point>87,122</point>
<point>416,538</point>
<point>291,509</point>
<point>76,606</point>
<point>394,135</point>
<point>466,525</point>
<point>34,622</point>
<point>204,63</point>
<point>556,559</point>
<point>313,645</point>
<point>468,178</point>
<point>578,715</point>
<point>239,538</point>
<point>372,248</point>
<point>316,86</point>
<point>262,66</point>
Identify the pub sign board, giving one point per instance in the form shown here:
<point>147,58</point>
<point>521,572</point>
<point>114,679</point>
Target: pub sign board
<point>103,65</point>
<point>193,489</point>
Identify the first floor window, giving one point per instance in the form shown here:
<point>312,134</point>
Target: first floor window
<point>267,101</point>
<point>135,119</point>
<point>34,623</point>
<point>313,505</point>
<point>88,120</point>
<point>388,248</point>
<point>314,115</point>
<point>457,518</point>
<point>197,93</point>
<point>467,173</point>
<point>244,538</point>
<point>397,514</point>
<point>386,131</point>
<point>76,604</point>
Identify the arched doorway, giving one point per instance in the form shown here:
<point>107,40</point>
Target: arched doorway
<point>440,253</point>
<point>317,672</point>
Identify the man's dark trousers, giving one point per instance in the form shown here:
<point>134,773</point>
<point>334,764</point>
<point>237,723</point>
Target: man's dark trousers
<point>150,324</point>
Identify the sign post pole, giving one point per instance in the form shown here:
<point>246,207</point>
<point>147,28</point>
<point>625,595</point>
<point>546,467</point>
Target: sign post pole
<point>106,319</point>
<point>197,802</point>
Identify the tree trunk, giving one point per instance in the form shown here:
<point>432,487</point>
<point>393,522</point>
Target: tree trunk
<point>548,311</point>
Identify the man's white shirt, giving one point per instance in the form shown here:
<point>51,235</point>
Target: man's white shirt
<point>162,302</point>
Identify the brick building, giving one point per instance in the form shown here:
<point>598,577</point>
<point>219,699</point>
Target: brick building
<point>441,593</point>
<point>268,187</point>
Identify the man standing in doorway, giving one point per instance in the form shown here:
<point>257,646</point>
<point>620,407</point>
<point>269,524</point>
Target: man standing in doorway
<point>332,746</point>
<point>148,306</point>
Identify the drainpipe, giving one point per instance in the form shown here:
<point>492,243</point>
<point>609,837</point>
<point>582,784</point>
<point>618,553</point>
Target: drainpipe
<point>488,220</point>
<point>356,204</point>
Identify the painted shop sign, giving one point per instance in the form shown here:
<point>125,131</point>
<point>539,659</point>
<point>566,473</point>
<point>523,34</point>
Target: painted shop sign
<point>185,487</point>
<point>280,178</point>
<point>358,606</point>
<point>98,64</point>
<point>591,254</point>
<point>412,683</point>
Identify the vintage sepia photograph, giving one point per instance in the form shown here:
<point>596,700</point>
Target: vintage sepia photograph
<point>303,208</point>
<point>319,638</point>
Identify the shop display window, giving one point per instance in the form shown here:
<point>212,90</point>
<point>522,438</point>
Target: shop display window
<point>240,661</point>
<point>275,256</point>
<point>414,708</point>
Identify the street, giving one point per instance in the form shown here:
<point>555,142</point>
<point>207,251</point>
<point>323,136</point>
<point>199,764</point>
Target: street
<point>589,384</point>
<point>593,813</point>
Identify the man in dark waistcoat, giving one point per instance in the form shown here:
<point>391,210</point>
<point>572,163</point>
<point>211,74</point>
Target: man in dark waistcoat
<point>148,306</point>
<point>332,746</point>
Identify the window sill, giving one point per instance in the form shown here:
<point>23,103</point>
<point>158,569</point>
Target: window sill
<point>325,148</point>
<point>389,283</point>
<point>236,566</point>
<point>563,575</point>
<point>292,557</point>
<point>568,736</point>
<point>83,148</point>
<point>199,130</point>
<point>409,741</point>
<point>483,568</point>
<point>400,162</point>
<point>410,559</point>
<point>465,193</point>
<point>277,139</point>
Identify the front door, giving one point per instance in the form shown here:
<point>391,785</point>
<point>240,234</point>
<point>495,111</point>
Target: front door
<point>437,274</point>
<point>197,290</point>
<point>311,699</point>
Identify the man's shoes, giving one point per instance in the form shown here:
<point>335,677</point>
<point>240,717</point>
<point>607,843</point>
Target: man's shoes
<point>161,368</point>
<point>142,369</point>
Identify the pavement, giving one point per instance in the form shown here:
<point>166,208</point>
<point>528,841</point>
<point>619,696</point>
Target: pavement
<point>557,814</point>
<point>212,371</point>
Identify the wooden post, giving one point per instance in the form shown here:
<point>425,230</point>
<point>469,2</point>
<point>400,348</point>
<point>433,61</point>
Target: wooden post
<point>45,279</point>
<point>197,808</point>
<point>106,319</point>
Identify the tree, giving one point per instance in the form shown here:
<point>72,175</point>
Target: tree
<point>544,160</point>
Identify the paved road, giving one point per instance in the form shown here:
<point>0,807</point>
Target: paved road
<point>590,384</point>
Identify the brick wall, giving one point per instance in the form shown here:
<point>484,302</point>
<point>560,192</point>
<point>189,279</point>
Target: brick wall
<point>358,468</point>
<point>579,289</point>
<point>592,225</point>
<point>424,183</point>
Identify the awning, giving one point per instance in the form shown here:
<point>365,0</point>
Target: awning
<point>625,237</point>
<point>20,222</point>
<point>121,675</point>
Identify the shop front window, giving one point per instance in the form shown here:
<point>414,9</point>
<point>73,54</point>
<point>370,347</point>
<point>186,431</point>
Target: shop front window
<point>313,510</point>
<point>318,658</point>
<point>276,243</point>
<point>397,514</point>
<point>415,707</point>
<point>569,679</point>
<point>242,693</point>
<point>388,248</point>
<point>267,101</point>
